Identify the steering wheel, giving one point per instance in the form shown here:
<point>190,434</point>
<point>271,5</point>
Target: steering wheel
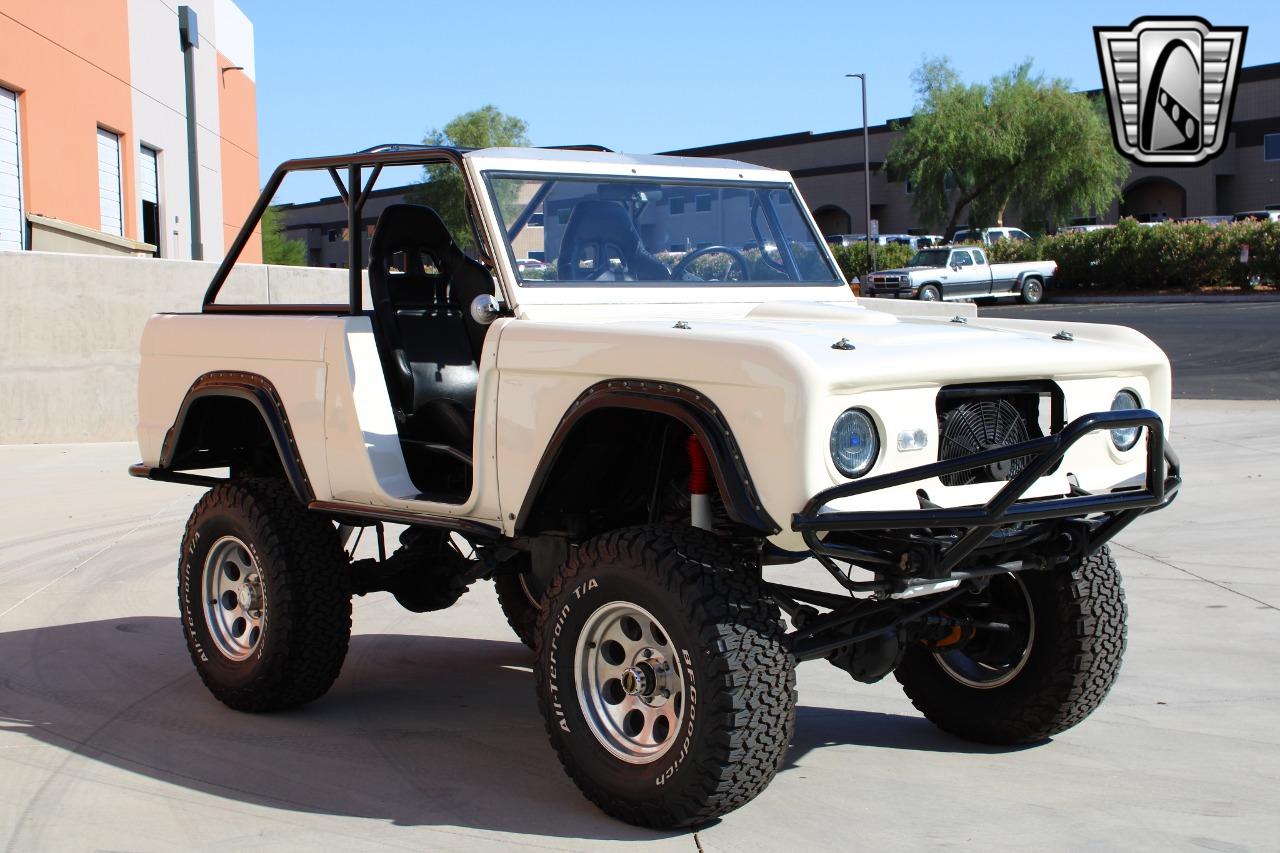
<point>681,270</point>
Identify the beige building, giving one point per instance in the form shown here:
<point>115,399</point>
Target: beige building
<point>830,171</point>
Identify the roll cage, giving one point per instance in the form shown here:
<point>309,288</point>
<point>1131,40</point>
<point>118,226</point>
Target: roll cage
<point>348,172</point>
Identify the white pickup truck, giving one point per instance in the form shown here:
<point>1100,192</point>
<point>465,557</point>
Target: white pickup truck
<point>961,273</point>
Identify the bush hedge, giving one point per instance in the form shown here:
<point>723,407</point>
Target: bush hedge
<point>1169,256</point>
<point>853,260</point>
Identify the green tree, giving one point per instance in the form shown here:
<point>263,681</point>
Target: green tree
<point>1021,140</point>
<point>277,248</point>
<point>442,187</point>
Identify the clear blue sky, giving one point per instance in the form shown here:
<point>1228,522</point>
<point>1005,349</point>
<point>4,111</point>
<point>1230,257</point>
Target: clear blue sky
<point>652,76</point>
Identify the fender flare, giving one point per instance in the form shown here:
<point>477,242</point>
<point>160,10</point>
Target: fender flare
<point>689,407</point>
<point>262,395</point>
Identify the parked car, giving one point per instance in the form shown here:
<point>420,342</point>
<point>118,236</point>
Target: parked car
<point>1260,215</point>
<point>624,446</point>
<point>1083,229</point>
<point>1207,220</point>
<point>987,236</point>
<point>531,265</point>
<point>915,241</point>
<point>961,273</point>
<point>856,239</point>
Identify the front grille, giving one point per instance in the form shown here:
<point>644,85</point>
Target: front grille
<point>972,419</point>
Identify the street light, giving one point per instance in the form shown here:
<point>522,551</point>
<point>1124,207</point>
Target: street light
<point>866,169</point>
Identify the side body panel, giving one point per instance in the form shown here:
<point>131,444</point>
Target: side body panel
<point>329,379</point>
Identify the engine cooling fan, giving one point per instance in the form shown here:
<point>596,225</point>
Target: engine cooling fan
<point>979,425</point>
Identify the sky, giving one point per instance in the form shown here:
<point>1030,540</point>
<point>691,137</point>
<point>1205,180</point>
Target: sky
<point>645,77</point>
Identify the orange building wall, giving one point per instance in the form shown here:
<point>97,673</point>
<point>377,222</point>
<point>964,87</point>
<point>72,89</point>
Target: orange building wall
<point>71,80</point>
<point>238,121</point>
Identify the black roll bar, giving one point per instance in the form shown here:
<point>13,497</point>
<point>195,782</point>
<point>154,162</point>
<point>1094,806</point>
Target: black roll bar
<point>354,196</point>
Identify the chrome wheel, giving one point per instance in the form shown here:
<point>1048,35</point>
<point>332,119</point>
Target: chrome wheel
<point>1032,291</point>
<point>630,683</point>
<point>235,602</point>
<point>996,655</point>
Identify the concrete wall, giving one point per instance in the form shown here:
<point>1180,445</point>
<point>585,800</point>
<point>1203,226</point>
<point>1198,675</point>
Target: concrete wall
<point>70,329</point>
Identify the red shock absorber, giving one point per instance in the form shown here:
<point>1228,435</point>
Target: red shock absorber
<point>699,484</point>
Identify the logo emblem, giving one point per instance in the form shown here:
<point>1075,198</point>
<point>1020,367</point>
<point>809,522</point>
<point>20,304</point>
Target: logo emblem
<point>1170,85</point>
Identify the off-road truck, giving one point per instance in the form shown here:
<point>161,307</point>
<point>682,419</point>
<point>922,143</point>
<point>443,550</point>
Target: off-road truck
<point>640,440</point>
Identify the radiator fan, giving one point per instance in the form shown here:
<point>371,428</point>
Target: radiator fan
<point>980,425</point>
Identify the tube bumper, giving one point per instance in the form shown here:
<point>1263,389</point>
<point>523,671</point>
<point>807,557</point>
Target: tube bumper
<point>934,542</point>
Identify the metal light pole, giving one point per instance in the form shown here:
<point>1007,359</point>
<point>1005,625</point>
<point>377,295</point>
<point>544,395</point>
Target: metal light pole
<point>866,170</point>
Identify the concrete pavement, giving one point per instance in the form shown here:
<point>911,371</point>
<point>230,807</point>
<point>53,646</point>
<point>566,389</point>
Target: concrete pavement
<point>1218,351</point>
<point>431,738</point>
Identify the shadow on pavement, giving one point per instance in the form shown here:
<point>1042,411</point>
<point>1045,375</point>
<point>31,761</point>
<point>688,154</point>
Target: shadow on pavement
<point>419,730</point>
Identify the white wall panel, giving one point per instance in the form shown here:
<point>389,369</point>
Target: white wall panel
<point>109,196</point>
<point>12,222</point>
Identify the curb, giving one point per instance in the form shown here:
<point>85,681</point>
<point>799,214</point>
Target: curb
<point>1164,299</point>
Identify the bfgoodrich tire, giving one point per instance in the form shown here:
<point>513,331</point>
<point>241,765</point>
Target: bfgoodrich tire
<point>668,690</point>
<point>263,596</point>
<point>1017,691</point>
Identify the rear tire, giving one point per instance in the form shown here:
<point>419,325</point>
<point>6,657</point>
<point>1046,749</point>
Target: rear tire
<point>1032,291</point>
<point>262,592</point>
<point>1072,659</point>
<point>682,713</point>
<point>519,606</point>
<point>929,293</point>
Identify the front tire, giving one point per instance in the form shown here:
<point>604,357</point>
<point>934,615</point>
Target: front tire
<point>664,677</point>
<point>263,597</point>
<point>929,293</point>
<point>1028,686</point>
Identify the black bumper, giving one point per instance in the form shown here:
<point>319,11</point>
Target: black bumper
<point>934,543</point>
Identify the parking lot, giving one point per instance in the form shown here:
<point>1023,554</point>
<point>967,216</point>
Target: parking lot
<point>431,738</point>
<point>1224,351</point>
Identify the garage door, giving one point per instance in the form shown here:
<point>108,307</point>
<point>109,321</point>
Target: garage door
<point>11,219</point>
<point>109,182</point>
<point>149,196</point>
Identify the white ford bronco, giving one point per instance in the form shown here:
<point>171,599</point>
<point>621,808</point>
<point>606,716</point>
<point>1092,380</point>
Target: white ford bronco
<point>638,440</point>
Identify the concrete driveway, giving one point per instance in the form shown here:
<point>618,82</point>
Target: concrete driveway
<point>431,738</point>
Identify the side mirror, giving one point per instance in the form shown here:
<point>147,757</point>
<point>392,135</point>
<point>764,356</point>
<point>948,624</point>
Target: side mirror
<point>485,309</point>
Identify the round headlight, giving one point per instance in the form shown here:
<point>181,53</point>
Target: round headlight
<point>854,443</point>
<point>1125,438</point>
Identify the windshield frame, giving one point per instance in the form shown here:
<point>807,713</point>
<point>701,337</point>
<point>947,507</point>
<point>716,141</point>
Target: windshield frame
<point>506,236</point>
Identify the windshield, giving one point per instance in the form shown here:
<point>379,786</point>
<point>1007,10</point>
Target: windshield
<point>929,258</point>
<point>602,230</point>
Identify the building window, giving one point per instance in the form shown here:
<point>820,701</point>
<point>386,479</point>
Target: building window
<point>677,206</point>
<point>702,203</point>
<point>1271,147</point>
<point>332,236</point>
<point>109,194</point>
<point>149,195</point>
<point>12,221</point>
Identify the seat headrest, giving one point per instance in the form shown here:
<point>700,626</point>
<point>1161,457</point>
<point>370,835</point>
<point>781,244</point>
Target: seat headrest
<point>404,225</point>
<point>597,219</point>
